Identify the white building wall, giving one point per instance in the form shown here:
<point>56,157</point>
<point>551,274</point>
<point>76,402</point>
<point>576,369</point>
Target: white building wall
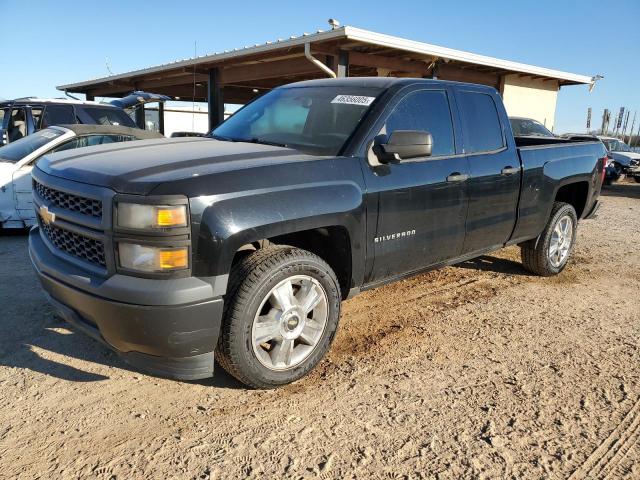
<point>532,98</point>
<point>183,118</point>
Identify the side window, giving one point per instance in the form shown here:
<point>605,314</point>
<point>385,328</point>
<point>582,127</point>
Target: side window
<point>426,110</point>
<point>480,122</point>
<point>68,145</point>
<point>94,140</point>
<point>17,124</point>
<point>36,113</point>
<point>58,115</point>
<point>116,138</point>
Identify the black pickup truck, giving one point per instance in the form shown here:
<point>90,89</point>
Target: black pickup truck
<point>246,242</point>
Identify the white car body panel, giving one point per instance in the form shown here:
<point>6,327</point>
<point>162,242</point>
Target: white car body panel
<point>16,195</point>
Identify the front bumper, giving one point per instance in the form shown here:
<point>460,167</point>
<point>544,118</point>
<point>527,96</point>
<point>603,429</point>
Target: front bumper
<point>165,327</point>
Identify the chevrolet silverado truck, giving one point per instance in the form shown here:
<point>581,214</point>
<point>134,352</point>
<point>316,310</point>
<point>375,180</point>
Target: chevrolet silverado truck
<point>240,246</point>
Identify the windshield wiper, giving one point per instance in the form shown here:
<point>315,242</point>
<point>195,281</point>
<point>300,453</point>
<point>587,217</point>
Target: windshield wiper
<point>263,142</point>
<point>222,139</point>
<point>248,140</point>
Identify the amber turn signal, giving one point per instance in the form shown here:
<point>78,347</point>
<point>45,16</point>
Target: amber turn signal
<point>172,259</point>
<point>171,216</point>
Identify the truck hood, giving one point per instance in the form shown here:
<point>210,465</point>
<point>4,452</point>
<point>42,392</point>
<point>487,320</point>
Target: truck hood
<point>137,167</point>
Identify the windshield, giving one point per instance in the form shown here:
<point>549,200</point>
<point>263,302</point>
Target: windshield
<point>314,120</point>
<point>17,150</point>
<point>617,146</point>
<point>109,116</point>
<point>523,127</point>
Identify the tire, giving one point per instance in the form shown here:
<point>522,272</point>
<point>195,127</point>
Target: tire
<point>537,254</point>
<point>619,169</point>
<point>637,179</point>
<point>256,308</point>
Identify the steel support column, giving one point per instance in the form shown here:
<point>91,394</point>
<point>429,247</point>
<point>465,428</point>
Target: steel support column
<point>140,117</point>
<point>214,99</point>
<point>161,117</point>
<point>343,64</point>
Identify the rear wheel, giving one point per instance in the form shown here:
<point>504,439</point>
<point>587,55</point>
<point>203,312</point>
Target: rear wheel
<point>549,253</point>
<point>281,316</point>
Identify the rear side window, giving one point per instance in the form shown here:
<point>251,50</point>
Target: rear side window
<point>425,110</point>
<point>108,116</point>
<point>480,123</point>
<point>91,141</point>
<point>58,115</point>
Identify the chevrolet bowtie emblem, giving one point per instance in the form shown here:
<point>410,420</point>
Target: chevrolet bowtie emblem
<point>47,216</point>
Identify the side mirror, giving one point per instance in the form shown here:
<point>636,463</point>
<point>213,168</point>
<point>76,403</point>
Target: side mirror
<point>403,145</point>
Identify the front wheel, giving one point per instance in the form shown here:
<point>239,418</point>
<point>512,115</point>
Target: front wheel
<point>637,179</point>
<point>281,316</point>
<point>619,171</point>
<point>549,253</point>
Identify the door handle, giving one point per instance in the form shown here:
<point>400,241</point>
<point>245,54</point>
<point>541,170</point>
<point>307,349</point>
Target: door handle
<point>457,177</point>
<point>510,170</point>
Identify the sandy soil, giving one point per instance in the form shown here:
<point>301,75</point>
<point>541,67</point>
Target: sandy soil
<point>474,371</point>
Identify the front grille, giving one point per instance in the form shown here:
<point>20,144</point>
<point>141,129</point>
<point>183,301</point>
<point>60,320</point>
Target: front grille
<point>75,244</point>
<point>68,201</point>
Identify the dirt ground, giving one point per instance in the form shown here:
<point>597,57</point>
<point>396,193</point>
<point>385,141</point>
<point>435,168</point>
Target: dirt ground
<point>475,371</point>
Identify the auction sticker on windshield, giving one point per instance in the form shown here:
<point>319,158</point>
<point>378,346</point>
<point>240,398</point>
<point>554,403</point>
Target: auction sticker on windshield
<point>353,100</point>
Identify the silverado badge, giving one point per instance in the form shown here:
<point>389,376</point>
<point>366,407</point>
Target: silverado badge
<point>47,216</point>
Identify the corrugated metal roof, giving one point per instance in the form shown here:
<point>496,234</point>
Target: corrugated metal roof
<point>348,33</point>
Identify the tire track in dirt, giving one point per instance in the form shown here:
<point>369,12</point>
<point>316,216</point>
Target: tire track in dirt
<point>405,306</point>
<point>602,462</point>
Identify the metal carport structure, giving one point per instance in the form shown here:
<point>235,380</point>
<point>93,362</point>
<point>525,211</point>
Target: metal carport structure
<point>239,75</point>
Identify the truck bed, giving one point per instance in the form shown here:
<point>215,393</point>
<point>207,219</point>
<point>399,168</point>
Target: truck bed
<point>530,141</point>
<point>546,167</point>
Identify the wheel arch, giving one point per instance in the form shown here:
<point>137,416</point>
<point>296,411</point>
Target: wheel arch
<point>326,221</point>
<point>575,194</point>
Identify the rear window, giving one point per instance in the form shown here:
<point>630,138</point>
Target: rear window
<point>480,122</point>
<point>109,116</point>
<point>529,127</point>
<point>16,151</point>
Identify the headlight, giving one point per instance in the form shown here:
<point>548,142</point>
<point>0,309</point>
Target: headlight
<point>150,259</point>
<point>141,217</point>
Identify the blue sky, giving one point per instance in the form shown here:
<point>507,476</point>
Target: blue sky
<point>64,41</point>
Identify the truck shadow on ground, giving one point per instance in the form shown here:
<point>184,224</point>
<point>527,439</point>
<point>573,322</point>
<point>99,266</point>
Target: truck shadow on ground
<point>58,338</point>
<point>627,189</point>
<point>488,263</point>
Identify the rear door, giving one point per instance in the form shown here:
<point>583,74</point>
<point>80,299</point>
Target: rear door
<point>494,185</point>
<point>422,202</point>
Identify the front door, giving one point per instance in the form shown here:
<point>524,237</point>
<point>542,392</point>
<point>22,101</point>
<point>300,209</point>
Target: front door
<point>422,202</point>
<point>494,185</point>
